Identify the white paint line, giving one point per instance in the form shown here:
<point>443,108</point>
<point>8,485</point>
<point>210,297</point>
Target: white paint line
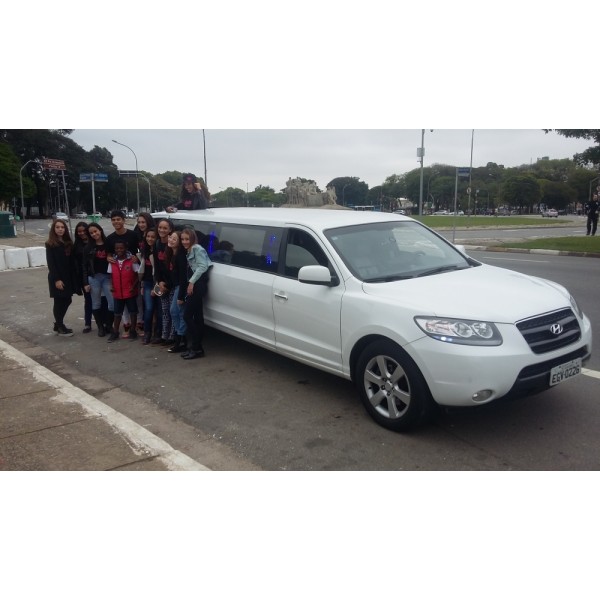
<point>590,373</point>
<point>136,434</point>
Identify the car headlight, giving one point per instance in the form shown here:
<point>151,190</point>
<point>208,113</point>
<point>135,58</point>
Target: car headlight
<point>460,331</point>
<point>575,307</point>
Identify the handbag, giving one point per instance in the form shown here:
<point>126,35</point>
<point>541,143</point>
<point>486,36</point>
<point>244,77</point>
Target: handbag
<point>157,291</point>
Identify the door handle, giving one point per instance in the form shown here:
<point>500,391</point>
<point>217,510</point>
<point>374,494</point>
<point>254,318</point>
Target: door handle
<point>281,295</point>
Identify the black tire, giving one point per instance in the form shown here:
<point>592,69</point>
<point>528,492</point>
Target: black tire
<point>392,387</point>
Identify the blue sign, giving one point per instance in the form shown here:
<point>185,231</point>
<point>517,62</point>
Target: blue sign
<point>100,177</point>
<point>463,171</point>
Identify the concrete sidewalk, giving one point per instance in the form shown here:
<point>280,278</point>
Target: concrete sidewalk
<point>48,424</point>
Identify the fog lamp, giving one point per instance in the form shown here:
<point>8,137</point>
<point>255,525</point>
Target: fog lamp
<point>482,395</point>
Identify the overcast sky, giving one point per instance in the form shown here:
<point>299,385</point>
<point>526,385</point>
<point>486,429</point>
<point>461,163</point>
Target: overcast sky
<point>251,157</point>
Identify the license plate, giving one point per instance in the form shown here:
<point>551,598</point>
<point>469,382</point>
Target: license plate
<point>566,371</point>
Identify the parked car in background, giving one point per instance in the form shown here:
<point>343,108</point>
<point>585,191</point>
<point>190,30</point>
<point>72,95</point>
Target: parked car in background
<point>81,215</point>
<point>61,215</point>
<point>551,212</point>
<point>131,215</point>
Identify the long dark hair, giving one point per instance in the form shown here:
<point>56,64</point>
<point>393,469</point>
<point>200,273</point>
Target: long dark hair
<point>53,239</point>
<point>149,224</point>
<point>169,254</point>
<point>148,249</point>
<point>91,240</point>
<point>78,242</point>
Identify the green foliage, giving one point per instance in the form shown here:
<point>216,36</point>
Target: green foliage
<point>10,186</point>
<point>592,154</point>
<point>522,191</point>
<point>350,191</point>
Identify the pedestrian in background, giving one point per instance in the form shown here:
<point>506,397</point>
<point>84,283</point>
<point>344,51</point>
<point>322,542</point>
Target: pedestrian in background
<point>592,215</point>
<point>62,275</point>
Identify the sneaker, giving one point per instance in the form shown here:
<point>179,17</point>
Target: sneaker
<point>133,335</point>
<point>113,337</point>
<point>146,340</point>
<point>63,331</point>
<point>87,329</point>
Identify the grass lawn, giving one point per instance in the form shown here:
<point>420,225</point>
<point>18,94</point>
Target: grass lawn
<point>565,244</point>
<point>436,222</point>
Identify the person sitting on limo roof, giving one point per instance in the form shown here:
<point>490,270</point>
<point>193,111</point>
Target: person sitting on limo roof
<point>194,195</point>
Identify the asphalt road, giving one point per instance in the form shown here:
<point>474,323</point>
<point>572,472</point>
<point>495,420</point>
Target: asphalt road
<point>267,412</point>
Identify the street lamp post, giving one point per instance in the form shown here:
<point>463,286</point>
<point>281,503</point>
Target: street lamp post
<point>22,199</point>
<point>344,194</point>
<point>137,185</point>
<point>149,194</point>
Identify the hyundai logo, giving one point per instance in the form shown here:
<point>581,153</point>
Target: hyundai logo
<point>556,329</point>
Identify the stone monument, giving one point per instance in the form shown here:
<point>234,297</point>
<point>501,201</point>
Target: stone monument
<point>304,194</point>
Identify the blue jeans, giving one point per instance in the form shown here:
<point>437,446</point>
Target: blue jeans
<point>100,284</point>
<point>151,308</point>
<point>177,314</point>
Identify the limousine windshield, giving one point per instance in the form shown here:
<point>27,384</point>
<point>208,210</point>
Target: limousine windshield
<point>389,251</point>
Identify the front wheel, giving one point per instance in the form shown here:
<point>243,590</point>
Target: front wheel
<point>392,387</point>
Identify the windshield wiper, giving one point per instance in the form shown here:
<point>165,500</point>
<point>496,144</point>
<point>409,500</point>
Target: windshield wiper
<point>442,269</point>
<point>388,278</point>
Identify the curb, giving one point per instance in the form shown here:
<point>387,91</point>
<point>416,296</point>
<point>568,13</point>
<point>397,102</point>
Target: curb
<point>136,434</point>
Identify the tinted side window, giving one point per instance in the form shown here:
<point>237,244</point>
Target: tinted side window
<point>206,233</point>
<point>248,246</point>
<point>302,250</point>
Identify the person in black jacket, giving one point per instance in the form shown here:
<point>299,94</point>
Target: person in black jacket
<point>81,240</point>
<point>62,275</point>
<point>592,215</point>
<point>194,195</point>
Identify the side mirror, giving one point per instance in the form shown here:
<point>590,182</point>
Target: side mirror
<point>317,275</point>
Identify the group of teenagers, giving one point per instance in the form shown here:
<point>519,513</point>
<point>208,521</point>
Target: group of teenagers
<point>153,271</point>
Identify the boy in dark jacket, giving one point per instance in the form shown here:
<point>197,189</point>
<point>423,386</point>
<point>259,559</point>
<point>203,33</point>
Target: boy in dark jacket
<point>125,284</point>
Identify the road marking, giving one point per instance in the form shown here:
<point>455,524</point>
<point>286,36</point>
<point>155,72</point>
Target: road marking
<point>590,373</point>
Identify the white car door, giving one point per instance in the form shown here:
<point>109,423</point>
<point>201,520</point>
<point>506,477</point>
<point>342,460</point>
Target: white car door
<point>307,316</point>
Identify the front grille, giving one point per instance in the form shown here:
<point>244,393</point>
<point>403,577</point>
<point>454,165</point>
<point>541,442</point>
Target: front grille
<point>538,334</point>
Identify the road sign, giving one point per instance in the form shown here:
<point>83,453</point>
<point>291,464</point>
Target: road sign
<point>53,163</point>
<point>463,171</point>
<point>99,177</point>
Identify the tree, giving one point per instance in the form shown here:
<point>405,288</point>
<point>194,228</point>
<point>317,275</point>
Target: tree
<point>556,194</point>
<point>350,191</point>
<point>10,186</point>
<point>592,154</point>
<point>522,191</point>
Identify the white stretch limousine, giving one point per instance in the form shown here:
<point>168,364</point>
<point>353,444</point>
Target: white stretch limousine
<point>386,302</point>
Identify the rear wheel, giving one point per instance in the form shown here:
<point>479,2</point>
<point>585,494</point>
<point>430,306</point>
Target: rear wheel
<point>392,387</point>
